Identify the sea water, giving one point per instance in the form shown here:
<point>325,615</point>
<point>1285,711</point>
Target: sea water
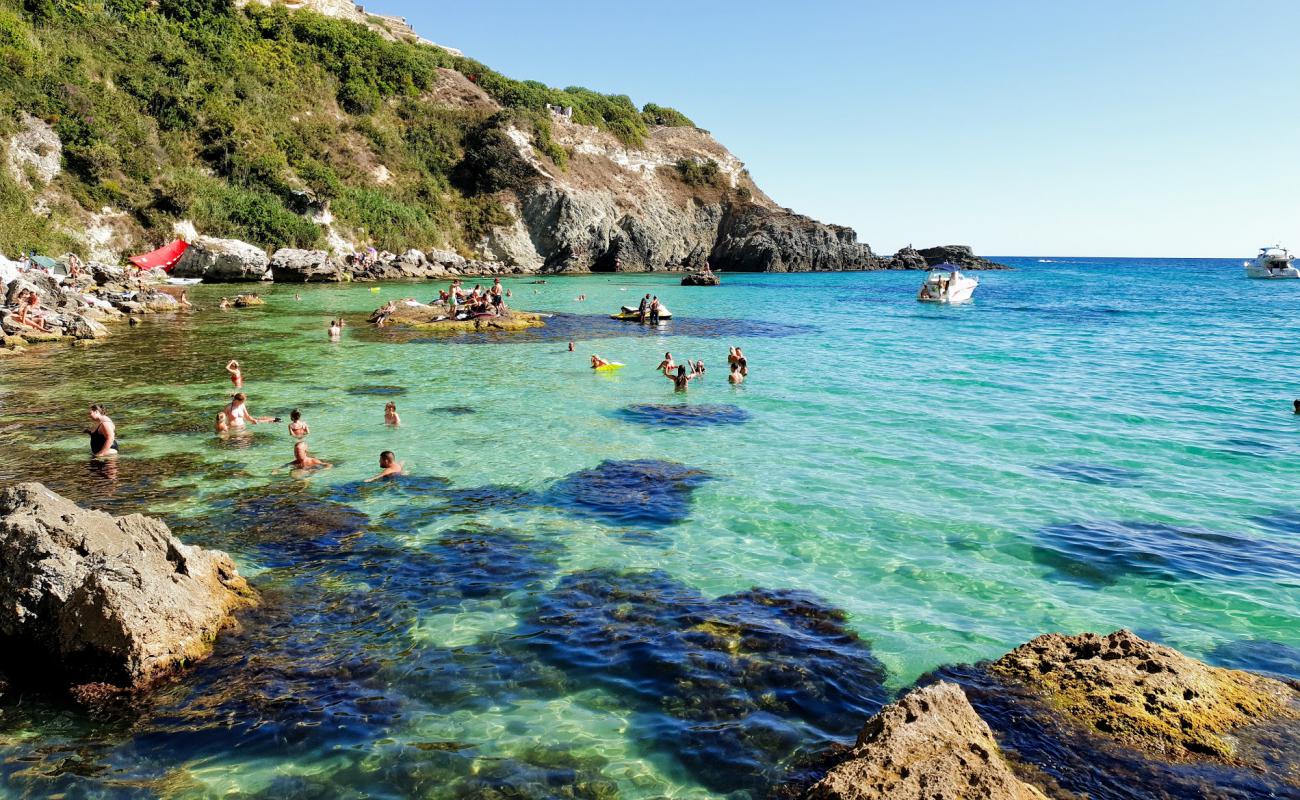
<point>557,602</point>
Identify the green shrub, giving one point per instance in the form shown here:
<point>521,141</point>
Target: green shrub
<point>663,115</point>
<point>385,221</point>
<point>698,173</point>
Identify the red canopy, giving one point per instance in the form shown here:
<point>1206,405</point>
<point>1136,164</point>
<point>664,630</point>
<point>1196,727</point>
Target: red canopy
<point>165,256</point>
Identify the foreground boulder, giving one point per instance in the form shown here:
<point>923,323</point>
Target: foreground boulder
<point>931,745</point>
<point>223,260</point>
<point>86,597</point>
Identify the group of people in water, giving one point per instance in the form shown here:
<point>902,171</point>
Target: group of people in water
<point>682,374</point>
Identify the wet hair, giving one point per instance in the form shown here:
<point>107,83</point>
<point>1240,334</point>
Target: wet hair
<point>240,396</point>
<point>386,458</point>
<point>681,370</point>
<point>295,415</point>
<point>741,362</point>
<point>96,408</point>
<point>668,355</point>
<point>390,404</point>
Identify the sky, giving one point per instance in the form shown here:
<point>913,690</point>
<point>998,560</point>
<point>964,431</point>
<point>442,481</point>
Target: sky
<point>1139,128</point>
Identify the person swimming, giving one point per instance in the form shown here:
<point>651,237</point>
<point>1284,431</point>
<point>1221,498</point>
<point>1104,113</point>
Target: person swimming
<point>681,378</point>
<point>666,366</point>
<point>335,330</point>
<point>389,467</point>
<point>296,426</point>
<point>390,414</point>
<point>103,437</point>
<point>236,374</point>
<point>303,461</point>
<point>597,362</point>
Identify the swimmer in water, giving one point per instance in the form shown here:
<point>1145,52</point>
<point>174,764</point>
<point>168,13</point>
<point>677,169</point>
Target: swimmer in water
<point>597,362</point>
<point>303,461</point>
<point>388,466</point>
<point>1297,406</point>
<point>699,367</point>
<point>223,424</point>
<point>681,379</point>
<point>297,427</point>
<point>237,413</point>
<point>735,377</point>
<point>666,366</point>
<point>103,437</point>
<point>236,374</point>
<point>335,330</point>
<point>571,350</point>
<point>224,304</point>
<point>390,415</point>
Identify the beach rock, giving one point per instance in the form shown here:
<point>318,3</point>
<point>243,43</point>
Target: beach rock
<point>304,266</point>
<point>448,260</point>
<point>81,327</point>
<point>701,279</point>
<point>907,258</point>
<point>106,273</point>
<point>930,745</point>
<point>86,597</point>
<point>223,260</point>
<point>436,317</point>
<point>1144,695</point>
<point>160,302</point>
<point>46,288</point>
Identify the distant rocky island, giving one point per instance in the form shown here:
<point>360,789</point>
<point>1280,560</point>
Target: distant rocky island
<point>376,137</point>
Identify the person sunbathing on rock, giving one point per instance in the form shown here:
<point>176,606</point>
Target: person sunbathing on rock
<point>30,312</point>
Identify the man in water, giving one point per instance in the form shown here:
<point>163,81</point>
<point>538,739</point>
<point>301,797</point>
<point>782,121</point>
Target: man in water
<point>666,366</point>
<point>735,376</point>
<point>388,466</point>
<point>654,310</point>
<point>303,461</point>
<point>103,437</point>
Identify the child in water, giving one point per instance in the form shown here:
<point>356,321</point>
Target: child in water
<point>223,424</point>
<point>390,415</point>
<point>296,426</point>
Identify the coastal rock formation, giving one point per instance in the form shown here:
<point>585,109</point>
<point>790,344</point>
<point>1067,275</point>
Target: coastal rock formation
<point>701,278</point>
<point>438,317</point>
<point>757,239</point>
<point>1143,695</point>
<point>289,265</point>
<point>86,597</point>
<point>930,745</point>
<point>223,260</point>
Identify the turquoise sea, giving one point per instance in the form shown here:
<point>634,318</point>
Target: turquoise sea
<point>592,586</point>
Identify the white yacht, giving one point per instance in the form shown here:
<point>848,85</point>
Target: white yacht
<point>1272,262</point>
<point>945,284</point>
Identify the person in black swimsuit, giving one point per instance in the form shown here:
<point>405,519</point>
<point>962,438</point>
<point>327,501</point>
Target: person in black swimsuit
<point>103,437</point>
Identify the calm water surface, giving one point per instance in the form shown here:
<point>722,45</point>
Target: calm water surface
<point>588,590</point>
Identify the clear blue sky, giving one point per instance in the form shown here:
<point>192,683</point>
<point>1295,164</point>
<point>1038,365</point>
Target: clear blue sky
<point>1021,128</point>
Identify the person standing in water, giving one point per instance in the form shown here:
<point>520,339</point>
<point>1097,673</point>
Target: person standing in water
<point>103,437</point>
<point>236,374</point>
<point>681,379</point>
<point>735,377</point>
<point>390,415</point>
<point>336,330</point>
<point>297,427</point>
<point>237,413</point>
<point>223,424</point>
<point>388,466</point>
<point>654,310</point>
<point>666,366</point>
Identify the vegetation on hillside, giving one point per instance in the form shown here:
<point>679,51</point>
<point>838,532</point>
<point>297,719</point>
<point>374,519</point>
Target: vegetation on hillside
<point>247,121</point>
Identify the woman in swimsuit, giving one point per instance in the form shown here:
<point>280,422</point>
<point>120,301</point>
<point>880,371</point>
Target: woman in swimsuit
<point>681,379</point>
<point>238,414</point>
<point>390,415</point>
<point>335,331</point>
<point>103,437</point>
<point>236,374</point>
<point>296,426</point>
<point>666,366</point>
<point>597,362</point>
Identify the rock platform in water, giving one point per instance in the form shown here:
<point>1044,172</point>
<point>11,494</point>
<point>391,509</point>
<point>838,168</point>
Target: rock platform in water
<point>437,317</point>
<point>88,598</point>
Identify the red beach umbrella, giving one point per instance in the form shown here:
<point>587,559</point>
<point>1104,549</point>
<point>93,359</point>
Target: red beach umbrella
<point>165,256</point>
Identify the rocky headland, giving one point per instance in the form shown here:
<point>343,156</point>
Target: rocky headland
<point>100,603</point>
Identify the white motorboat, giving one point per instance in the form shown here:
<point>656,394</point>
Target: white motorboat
<point>1272,262</point>
<point>184,281</point>
<point>946,284</point>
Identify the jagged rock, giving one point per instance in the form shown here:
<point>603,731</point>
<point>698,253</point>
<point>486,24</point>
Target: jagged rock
<point>1144,695</point>
<point>160,302</point>
<point>46,288</point>
<point>304,266</point>
<point>756,239</point>
<point>86,597</point>
<point>106,273</point>
<point>447,259</point>
<point>223,260</point>
<point>958,254</point>
<point>36,150</point>
<point>436,317</point>
<point>907,258</point>
<point>701,279</point>
<point>930,745</point>
<point>78,326</point>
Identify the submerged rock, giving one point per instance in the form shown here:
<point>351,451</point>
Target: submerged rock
<point>634,492</point>
<point>930,745</point>
<point>86,597</point>
<point>681,415</point>
<point>734,687</point>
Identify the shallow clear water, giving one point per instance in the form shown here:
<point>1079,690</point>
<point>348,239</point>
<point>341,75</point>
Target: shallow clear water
<point>558,605</point>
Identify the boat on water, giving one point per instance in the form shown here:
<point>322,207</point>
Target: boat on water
<point>1272,262</point>
<point>632,314</point>
<point>184,281</point>
<point>946,284</point>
